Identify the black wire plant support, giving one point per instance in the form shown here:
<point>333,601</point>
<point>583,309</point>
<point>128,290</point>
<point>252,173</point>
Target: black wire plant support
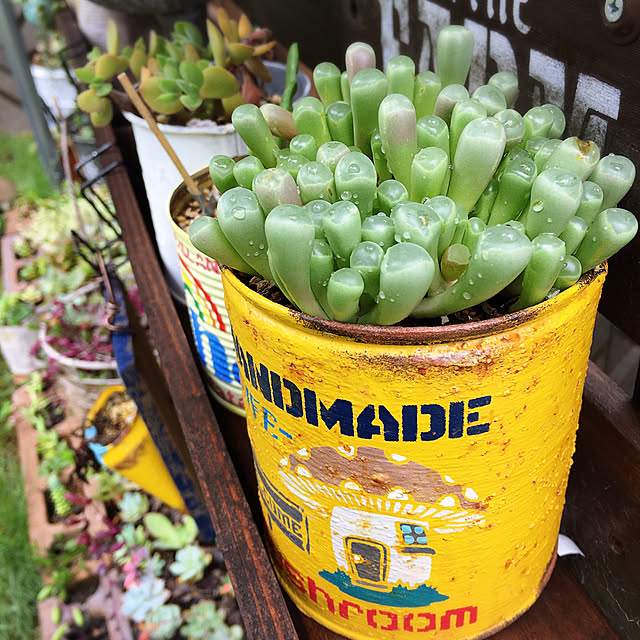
<point>97,254</point>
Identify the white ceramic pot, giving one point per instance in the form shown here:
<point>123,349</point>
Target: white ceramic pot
<point>54,83</point>
<point>16,344</point>
<point>195,146</point>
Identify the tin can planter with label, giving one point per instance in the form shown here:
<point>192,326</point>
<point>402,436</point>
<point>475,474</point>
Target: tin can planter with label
<point>412,479</point>
<point>413,401</point>
<point>205,303</point>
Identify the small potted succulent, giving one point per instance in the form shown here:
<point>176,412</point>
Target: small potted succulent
<point>192,87</point>
<point>120,440</point>
<point>78,346</point>
<point>18,333</point>
<point>412,286</point>
<point>51,79</point>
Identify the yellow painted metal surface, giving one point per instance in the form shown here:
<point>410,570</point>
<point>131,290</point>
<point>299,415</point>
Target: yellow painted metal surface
<point>205,303</point>
<point>413,490</point>
<point>136,457</point>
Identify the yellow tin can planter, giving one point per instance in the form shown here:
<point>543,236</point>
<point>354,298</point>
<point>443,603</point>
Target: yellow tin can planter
<point>205,303</point>
<point>135,456</point>
<point>413,479</point>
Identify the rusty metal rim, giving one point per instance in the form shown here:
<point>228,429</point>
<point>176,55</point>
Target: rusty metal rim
<point>379,335</point>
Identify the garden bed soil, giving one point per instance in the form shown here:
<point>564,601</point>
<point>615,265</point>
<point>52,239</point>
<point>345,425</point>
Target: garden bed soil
<point>98,623</point>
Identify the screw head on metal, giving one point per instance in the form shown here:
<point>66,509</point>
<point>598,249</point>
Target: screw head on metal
<point>613,10</point>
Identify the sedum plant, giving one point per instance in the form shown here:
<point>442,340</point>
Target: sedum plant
<point>181,77</point>
<point>411,198</point>
<point>205,622</point>
<point>132,506</point>
<point>169,535</point>
<point>15,311</point>
<point>143,597</point>
<point>190,563</point>
<point>163,622</point>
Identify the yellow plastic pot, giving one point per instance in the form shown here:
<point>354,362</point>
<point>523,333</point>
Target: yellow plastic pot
<point>205,303</point>
<point>135,456</point>
<point>412,479</point>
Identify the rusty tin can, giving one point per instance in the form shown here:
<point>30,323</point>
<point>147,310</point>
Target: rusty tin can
<point>412,479</point>
<point>205,304</point>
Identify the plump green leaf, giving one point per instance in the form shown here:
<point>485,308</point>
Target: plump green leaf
<point>113,37</point>
<point>151,92</point>
<point>85,74</point>
<point>168,86</point>
<point>189,32</point>
<point>109,65</point>
<point>190,102</point>
<point>104,90</point>
<point>166,98</point>
<point>89,101</point>
<point>218,83</point>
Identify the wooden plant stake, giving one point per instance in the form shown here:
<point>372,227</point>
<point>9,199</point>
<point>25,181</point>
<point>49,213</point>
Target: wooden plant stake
<point>146,114</point>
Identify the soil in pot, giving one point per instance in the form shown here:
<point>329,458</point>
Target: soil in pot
<point>186,216</point>
<point>114,418</point>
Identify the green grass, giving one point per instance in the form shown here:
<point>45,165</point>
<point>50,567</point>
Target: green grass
<point>20,163</point>
<point>19,579</point>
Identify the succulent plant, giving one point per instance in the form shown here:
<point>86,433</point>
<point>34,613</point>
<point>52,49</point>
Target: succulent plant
<point>132,506</point>
<point>190,563</point>
<point>182,77</point>
<point>169,535</point>
<point>163,622</point>
<point>205,622</point>
<point>446,200</point>
<point>14,311</point>
<point>131,536</point>
<point>57,492</point>
<point>144,597</point>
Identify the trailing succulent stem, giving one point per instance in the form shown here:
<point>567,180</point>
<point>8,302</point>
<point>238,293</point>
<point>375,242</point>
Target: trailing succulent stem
<point>401,195</point>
